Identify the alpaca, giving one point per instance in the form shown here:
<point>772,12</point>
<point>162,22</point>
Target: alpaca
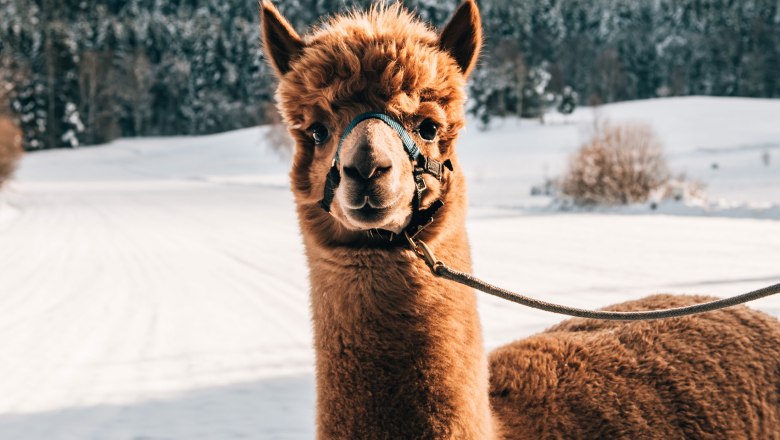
<point>399,352</point>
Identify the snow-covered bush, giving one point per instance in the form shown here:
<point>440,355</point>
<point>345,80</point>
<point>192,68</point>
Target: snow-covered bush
<point>623,163</point>
<point>567,102</point>
<point>10,148</point>
<point>681,189</point>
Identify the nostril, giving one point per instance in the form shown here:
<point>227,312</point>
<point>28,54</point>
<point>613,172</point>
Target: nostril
<point>354,174</point>
<point>365,173</point>
<point>379,171</point>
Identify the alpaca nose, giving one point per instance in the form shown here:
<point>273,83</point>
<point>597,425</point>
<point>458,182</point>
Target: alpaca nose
<point>366,165</point>
<point>366,173</point>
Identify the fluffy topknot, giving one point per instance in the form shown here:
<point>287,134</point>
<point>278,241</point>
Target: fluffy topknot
<point>380,20</point>
<point>382,59</point>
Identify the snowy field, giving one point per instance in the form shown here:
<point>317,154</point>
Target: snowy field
<point>155,288</point>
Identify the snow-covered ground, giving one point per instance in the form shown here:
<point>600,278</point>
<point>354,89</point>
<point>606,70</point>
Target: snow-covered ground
<point>155,288</point>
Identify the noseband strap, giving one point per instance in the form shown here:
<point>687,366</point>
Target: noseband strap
<point>422,165</point>
<point>409,145</point>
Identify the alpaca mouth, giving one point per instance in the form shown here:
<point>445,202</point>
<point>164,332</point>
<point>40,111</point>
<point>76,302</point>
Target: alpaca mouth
<point>376,214</point>
<point>362,201</point>
<point>368,214</point>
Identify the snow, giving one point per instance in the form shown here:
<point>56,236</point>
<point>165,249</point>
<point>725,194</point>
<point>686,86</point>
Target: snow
<point>156,288</point>
<point>696,131</point>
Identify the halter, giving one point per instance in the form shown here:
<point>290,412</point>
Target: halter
<point>422,165</point>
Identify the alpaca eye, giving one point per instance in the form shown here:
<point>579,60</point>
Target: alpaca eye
<point>428,130</point>
<point>319,133</point>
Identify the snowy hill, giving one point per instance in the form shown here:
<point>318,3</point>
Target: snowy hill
<point>156,288</point>
<point>696,131</point>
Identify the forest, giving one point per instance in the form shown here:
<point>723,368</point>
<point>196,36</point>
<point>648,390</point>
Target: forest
<point>80,72</point>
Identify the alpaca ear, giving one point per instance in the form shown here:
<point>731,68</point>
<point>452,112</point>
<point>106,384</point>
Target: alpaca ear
<point>281,43</point>
<point>462,36</point>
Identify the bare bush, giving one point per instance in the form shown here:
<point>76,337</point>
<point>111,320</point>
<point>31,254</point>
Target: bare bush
<point>10,148</point>
<point>621,164</point>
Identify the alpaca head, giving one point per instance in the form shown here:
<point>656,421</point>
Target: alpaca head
<point>384,61</point>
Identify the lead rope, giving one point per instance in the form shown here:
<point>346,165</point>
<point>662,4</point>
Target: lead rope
<point>442,270</point>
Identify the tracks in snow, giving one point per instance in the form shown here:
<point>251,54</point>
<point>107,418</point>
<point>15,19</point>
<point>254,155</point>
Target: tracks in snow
<point>119,297</point>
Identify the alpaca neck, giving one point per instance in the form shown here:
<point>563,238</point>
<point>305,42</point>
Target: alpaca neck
<point>399,352</point>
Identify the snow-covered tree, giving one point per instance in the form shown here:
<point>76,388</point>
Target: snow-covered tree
<point>72,125</point>
<point>161,67</point>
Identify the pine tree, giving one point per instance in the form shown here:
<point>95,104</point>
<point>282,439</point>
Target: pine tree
<point>164,67</point>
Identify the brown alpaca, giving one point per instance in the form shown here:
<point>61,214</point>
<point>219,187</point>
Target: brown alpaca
<point>399,352</point>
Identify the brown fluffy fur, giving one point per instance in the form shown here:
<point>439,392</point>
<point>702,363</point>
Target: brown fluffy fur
<point>712,376</point>
<point>10,148</point>
<point>399,352</point>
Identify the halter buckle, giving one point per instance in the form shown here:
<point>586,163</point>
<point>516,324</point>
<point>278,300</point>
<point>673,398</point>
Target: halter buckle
<point>433,167</point>
<point>419,182</point>
<point>422,250</point>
